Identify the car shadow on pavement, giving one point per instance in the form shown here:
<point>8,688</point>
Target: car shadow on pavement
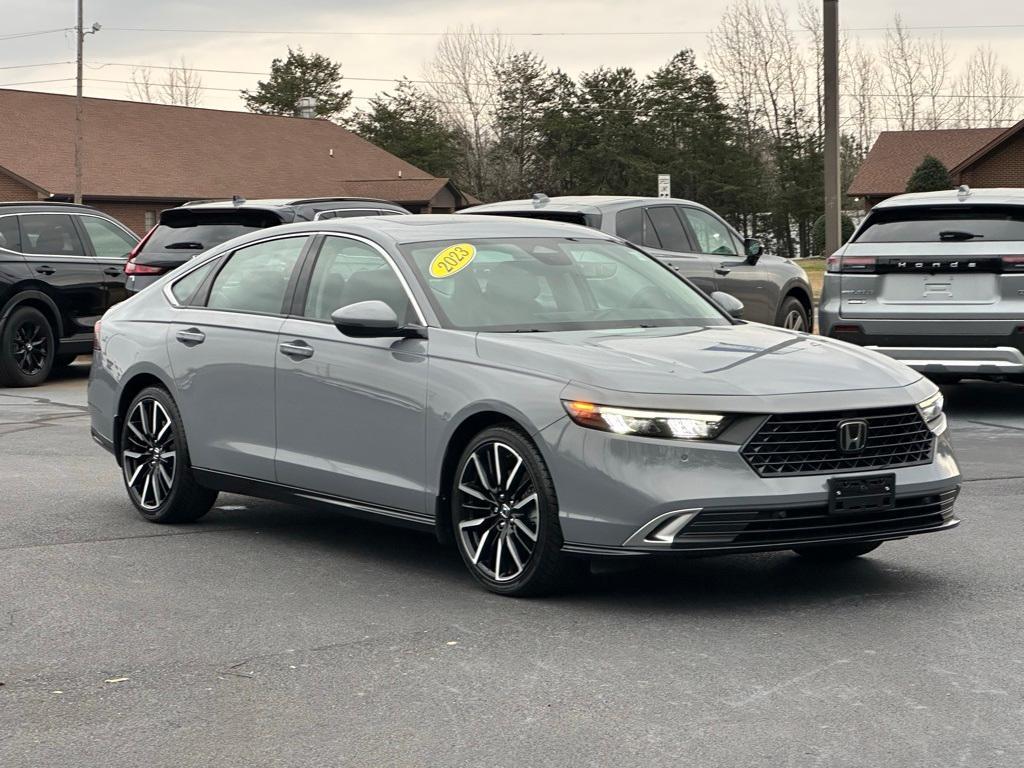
<point>780,580</point>
<point>978,399</point>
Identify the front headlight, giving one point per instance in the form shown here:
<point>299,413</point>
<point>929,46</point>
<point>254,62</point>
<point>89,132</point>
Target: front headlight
<point>931,408</point>
<point>628,421</point>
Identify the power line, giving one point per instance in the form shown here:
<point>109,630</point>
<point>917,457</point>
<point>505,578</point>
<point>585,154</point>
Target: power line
<point>37,33</point>
<point>36,82</point>
<point>42,64</point>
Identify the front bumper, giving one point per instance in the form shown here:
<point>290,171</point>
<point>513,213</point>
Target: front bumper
<point>622,495</point>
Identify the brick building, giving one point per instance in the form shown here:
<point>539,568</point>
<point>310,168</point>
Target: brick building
<point>980,157</point>
<point>140,158</point>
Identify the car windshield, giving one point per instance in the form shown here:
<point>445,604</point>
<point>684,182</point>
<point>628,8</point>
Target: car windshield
<point>932,224</point>
<point>552,284</point>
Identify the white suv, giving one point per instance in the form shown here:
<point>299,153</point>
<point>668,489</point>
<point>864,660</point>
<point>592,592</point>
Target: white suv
<point>935,280</point>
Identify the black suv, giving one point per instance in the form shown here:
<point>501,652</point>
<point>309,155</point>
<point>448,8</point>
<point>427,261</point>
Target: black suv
<point>195,227</point>
<point>61,268</point>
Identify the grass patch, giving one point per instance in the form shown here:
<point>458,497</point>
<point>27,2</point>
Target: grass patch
<point>815,269</point>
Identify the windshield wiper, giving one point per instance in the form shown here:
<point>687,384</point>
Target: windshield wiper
<point>186,245</point>
<point>957,234</point>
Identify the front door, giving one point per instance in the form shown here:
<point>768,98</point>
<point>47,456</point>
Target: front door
<point>223,350</point>
<point>665,235</point>
<point>56,257</point>
<point>733,274</point>
<point>351,411</point>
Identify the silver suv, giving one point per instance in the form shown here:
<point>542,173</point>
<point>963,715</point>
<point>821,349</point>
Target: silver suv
<point>935,280</point>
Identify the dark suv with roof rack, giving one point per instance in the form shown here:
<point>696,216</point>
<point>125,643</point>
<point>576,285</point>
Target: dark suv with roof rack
<point>195,227</point>
<point>61,268</point>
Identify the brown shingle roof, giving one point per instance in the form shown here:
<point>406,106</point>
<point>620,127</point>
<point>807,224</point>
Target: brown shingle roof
<point>891,161</point>
<point>138,150</point>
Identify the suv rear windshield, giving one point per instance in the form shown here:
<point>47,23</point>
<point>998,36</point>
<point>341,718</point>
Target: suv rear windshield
<point>183,234</point>
<point>566,217</point>
<point>931,224</point>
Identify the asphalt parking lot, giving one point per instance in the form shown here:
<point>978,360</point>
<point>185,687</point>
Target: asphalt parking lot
<point>272,636</point>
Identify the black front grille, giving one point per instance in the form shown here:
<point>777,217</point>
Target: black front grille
<point>793,525</point>
<point>808,443</point>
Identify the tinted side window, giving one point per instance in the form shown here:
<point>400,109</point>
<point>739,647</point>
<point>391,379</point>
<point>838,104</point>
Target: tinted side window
<point>347,213</point>
<point>348,272</point>
<point>108,241</point>
<point>712,235</point>
<point>629,225</point>
<point>185,288</point>
<point>669,228</point>
<point>255,279</point>
<point>10,238</point>
<point>52,234</point>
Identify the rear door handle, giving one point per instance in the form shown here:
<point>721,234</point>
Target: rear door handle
<point>297,350</point>
<point>723,272</point>
<point>190,337</point>
<point>45,269</point>
<point>113,271</point>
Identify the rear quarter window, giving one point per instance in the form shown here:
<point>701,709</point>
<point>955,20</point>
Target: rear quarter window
<point>932,224</point>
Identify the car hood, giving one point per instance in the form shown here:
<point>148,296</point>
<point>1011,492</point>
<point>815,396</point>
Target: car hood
<point>744,359</point>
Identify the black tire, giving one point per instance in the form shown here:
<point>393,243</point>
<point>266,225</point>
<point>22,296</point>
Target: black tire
<point>793,315</point>
<point>506,520</point>
<point>836,553</point>
<point>60,362</point>
<point>27,348</point>
<point>149,455</point>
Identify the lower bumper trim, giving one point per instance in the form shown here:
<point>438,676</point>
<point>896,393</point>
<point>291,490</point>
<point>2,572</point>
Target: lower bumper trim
<point>995,360</point>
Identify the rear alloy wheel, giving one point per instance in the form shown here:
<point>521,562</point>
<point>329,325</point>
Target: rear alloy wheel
<point>793,316</point>
<point>28,349</point>
<point>835,553</point>
<point>155,463</point>
<point>505,515</point>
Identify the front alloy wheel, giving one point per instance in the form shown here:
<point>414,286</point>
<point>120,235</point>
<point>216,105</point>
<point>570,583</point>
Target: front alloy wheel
<point>505,515</point>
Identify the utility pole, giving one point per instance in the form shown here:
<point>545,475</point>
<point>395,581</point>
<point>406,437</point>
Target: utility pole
<point>80,34</point>
<point>80,37</point>
<point>833,194</point>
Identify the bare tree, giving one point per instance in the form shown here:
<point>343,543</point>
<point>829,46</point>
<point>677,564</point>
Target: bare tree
<point>179,84</point>
<point>862,82</point>
<point>462,79</point>
<point>989,92</point>
<point>903,63</point>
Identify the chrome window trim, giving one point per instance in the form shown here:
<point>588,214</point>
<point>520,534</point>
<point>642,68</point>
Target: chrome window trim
<point>321,215</point>
<point>118,224</point>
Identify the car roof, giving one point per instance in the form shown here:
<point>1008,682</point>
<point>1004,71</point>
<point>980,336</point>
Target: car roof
<point>573,203</point>
<point>991,196</point>
<point>283,202</point>
<point>446,226</point>
<point>48,204</point>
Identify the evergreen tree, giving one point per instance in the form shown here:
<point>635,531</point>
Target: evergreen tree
<point>408,123</point>
<point>297,76</point>
<point>930,176</point>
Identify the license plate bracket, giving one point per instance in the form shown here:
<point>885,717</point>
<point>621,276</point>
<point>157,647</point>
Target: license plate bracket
<point>861,495</point>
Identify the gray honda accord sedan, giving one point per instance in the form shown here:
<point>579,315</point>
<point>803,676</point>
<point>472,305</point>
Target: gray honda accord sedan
<point>535,392</point>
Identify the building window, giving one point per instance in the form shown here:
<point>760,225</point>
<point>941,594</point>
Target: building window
<point>150,219</point>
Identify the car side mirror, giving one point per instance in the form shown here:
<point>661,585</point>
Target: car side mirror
<point>753,248</point>
<point>728,303</point>
<point>372,319</point>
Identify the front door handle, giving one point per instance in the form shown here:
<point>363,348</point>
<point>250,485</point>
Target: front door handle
<point>114,271</point>
<point>297,350</point>
<point>190,337</point>
<point>722,271</point>
<point>45,269</point>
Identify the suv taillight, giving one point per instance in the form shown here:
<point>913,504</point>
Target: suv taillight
<point>96,335</point>
<point>851,264</point>
<point>131,268</point>
<point>1013,263</point>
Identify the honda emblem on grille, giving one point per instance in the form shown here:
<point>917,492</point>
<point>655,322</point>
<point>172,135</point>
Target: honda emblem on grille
<point>853,435</point>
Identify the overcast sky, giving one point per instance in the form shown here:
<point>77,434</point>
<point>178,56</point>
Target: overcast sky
<point>388,57</point>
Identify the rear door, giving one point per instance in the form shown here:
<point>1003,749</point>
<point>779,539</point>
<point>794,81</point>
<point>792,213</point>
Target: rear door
<point>664,235</point>
<point>109,244</point>
<point>57,258</point>
<point>223,348</point>
<point>936,262</point>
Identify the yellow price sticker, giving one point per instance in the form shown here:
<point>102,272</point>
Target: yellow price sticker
<point>452,259</point>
